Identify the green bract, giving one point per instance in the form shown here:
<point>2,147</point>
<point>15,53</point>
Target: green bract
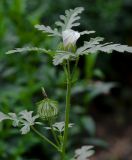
<point>47,109</point>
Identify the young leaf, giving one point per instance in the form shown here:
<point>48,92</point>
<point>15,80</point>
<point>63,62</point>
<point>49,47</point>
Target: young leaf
<point>61,56</point>
<point>47,29</point>
<point>25,49</point>
<point>69,19</point>
<point>59,126</point>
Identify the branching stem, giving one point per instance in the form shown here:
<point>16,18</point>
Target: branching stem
<point>44,138</point>
<point>53,133</point>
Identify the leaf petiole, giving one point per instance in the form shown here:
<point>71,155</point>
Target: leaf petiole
<point>45,138</point>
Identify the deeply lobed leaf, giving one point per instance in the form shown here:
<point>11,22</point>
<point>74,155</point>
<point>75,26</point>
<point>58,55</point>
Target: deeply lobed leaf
<point>83,153</point>
<point>70,18</point>
<point>94,46</point>
<point>3,116</point>
<point>24,119</point>
<point>61,56</point>
<point>25,49</point>
<point>47,29</point>
<point>86,32</point>
<point>59,126</point>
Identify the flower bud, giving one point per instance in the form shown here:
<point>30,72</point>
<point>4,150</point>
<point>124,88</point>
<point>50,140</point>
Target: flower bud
<point>70,37</point>
<point>47,109</point>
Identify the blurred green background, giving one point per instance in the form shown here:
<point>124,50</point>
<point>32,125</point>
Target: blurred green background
<point>102,97</point>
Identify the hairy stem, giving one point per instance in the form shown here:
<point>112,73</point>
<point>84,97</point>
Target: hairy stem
<point>44,138</point>
<point>67,110</point>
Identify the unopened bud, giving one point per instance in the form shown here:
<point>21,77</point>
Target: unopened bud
<point>70,37</point>
<point>47,109</point>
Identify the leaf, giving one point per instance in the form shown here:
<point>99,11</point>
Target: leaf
<point>3,116</point>
<point>27,116</point>
<point>109,48</point>
<point>24,119</point>
<point>93,46</point>
<point>86,32</point>
<point>25,49</point>
<point>90,44</point>
<point>83,153</point>
<point>97,142</point>
<point>26,128</point>
<point>14,118</point>
<point>61,56</point>
<point>70,18</point>
<point>59,126</point>
<point>129,49</point>
<point>47,29</point>
<point>89,125</point>
<point>97,88</point>
<point>27,121</point>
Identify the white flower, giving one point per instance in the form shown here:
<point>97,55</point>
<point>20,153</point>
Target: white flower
<point>70,37</point>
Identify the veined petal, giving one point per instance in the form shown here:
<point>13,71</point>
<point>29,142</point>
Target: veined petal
<point>70,37</point>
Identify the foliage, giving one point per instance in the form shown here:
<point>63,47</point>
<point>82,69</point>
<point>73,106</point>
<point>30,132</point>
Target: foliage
<point>47,29</point>
<point>84,153</point>
<point>70,18</point>
<point>62,56</point>
<point>47,108</point>
<point>20,85</point>
<point>59,126</point>
<point>25,119</point>
<point>27,49</point>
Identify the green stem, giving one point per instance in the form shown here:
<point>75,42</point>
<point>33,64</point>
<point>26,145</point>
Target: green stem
<point>54,134</point>
<point>75,67</point>
<point>44,138</point>
<point>65,70</point>
<point>67,110</point>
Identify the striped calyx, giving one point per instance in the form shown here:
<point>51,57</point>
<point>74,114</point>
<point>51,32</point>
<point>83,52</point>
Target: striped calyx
<point>47,109</point>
